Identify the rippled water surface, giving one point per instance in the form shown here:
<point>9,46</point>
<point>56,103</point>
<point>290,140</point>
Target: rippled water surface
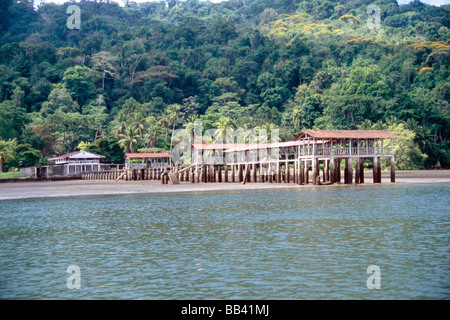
<point>310,243</point>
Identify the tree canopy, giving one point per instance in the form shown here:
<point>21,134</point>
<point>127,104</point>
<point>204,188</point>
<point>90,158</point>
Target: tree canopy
<point>132,75</point>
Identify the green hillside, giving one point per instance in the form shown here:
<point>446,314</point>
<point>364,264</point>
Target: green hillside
<point>132,74</point>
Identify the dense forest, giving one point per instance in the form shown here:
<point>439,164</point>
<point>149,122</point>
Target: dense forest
<point>131,75</point>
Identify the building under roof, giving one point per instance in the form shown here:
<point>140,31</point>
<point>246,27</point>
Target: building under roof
<point>306,151</point>
<point>147,155</point>
<point>147,160</point>
<point>76,156</point>
<point>78,162</point>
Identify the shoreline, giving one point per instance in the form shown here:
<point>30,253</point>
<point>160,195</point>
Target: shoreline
<point>88,188</point>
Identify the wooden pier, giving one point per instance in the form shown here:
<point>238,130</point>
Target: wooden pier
<point>312,157</point>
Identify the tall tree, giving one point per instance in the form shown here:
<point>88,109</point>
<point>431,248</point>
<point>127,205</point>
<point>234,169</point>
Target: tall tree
<point>104,61</point>
<point>129,140</point>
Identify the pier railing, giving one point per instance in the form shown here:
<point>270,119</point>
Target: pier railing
<point>346,151</point>
<point>147,166</point>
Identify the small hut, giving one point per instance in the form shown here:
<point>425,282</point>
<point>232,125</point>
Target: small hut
<point>143,160</point>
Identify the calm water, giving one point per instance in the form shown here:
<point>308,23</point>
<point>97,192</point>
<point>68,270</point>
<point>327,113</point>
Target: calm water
<point>297,244</point>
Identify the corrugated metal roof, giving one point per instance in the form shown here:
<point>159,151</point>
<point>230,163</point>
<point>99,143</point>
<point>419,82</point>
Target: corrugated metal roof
<point>347,134</point>
<point>216,146</point>
<point>78,154</point>
<point>146,155</point>
<point>234,147</point>
<point>257,146</point>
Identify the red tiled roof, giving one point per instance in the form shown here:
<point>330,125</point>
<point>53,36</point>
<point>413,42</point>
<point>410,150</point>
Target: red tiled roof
<point>146,155</point>
<point>347,134</point>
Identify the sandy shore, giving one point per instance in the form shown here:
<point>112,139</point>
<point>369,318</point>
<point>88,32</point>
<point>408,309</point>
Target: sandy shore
<point>69,188</point>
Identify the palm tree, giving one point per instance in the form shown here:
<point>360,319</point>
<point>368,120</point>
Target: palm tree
<point>100,100</point>
<point>174,112</point>
<point>129,139</point>
<point>296,115</point>
<point>392,120</point>
<point>270,129</point>
<point>140,127</point>
<point>222,125</point>
<point>120,129</point>
<point>164,121</point>
<point>150,132</point>
<point>379,125</point>
<point>190,125</point>
<point>422,134</point>
<point>365,125</point>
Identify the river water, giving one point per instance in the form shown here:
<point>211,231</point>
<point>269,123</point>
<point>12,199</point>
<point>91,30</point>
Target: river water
<point>306,243</point>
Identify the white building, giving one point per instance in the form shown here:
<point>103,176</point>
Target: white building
<point>78,162</point>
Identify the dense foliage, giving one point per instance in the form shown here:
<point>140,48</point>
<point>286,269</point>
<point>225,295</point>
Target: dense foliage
<point>133,74</point>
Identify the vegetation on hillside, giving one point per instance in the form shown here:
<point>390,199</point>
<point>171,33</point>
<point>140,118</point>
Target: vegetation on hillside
<point>133,74</point>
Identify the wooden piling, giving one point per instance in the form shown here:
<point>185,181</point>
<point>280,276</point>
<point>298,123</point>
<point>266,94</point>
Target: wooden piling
<point>379,170</point>
<point>332,170</point>
<point>326,171</point>
<point>361,170</point>
<point>338,170</point>
<point>195,175</point>
<point>286,172</point>
<point>349,171</point>
<point>392,169</point>
<point>357,171</point>
<point>245,174</point>
<point>346,175</point>
<point>306,172</point>
<point>225,174</point>
<point>315,169</point>
<point>375,169</point>
<point>300,172</point>
<point>278,173</point>
<point>294,173</point>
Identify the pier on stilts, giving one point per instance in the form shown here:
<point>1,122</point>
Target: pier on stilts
<point>312,157</point>
<point>332,149</point>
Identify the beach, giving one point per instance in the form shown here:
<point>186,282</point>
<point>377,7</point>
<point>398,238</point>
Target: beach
<point>73,188</point>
